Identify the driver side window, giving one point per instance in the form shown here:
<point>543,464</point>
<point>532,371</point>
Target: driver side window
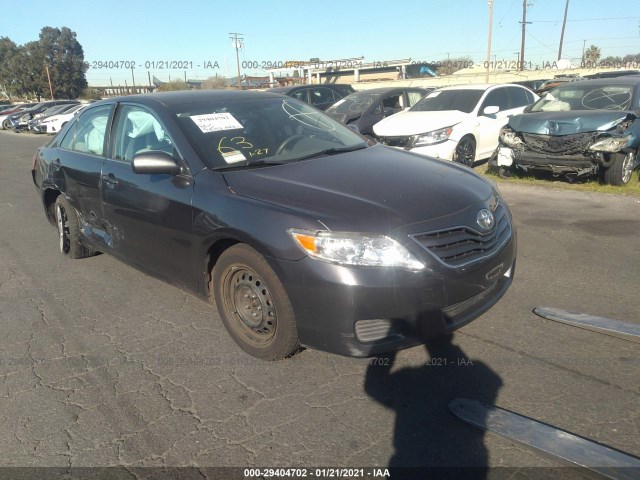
<point>138,130</point>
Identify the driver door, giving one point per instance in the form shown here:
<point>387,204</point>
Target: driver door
<point>147,216</point>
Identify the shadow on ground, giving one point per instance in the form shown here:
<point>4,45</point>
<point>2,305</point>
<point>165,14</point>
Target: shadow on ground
<point>426,433</point>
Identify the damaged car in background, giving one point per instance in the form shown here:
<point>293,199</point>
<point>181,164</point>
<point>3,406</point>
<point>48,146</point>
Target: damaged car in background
<point>579,129</point>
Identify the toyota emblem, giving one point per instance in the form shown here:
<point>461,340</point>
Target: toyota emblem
<point>485,219</point>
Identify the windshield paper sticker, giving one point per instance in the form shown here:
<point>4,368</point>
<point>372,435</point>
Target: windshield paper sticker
<point>216,122</point>
<point>233,157</point>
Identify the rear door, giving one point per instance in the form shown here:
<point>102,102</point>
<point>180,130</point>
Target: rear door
<point>147,216</point>
<point>78,162</point>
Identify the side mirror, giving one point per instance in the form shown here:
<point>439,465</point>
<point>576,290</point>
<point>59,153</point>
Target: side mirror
<point>491,110</point>
<point>155,162</point>
<point>527,109</point>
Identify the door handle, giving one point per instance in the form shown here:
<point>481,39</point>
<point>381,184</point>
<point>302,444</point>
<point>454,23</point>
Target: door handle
<point>110,179</point>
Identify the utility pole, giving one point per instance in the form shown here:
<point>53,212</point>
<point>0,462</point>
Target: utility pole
<point>486,78</point>
<point>238,43</point>
<point>584,44</point>
<point>524,23</point>
<point>133,81</point>
<point>564,22</point>
<point>49,78</point>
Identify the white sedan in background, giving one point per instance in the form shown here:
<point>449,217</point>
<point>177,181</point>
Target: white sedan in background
<point>54,123</point>
<point>458,123</point>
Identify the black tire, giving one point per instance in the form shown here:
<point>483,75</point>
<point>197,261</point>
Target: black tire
<point>253,304</point>
<point>69,239</point>
<point>619,173</point>
<point>465,152</point>
<point>6,124</point>
<point>504,171</point>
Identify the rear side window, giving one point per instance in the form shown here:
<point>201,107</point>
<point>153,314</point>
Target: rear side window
<point>88,133</point>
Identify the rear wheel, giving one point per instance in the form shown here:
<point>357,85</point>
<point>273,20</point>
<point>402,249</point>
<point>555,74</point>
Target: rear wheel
<point>253,304</point>
<point>6,124</point>
<point>619,173</point>
<point>465,152</point>
<point>69,240</point>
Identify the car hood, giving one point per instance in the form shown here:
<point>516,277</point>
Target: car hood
<point>566,123</point>
<point>413,123</point>
<point>376,189</point>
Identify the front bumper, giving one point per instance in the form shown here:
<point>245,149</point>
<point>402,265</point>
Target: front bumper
<point>444,150</point>
<point>526,159</point>
<point>365,311</point>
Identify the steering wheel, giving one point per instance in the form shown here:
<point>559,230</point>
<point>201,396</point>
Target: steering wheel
<point>289,142</point>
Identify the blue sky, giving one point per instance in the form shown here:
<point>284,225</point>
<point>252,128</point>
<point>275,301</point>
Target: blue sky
<point>279,30</point>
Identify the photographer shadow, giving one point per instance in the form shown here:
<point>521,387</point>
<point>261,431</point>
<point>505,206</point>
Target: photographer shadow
<point>429,441</point>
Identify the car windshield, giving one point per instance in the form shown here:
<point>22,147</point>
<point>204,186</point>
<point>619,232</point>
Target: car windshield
<point>464,100</point>
<point>258,131</point>
<point>354,103</point>
<point>585,97</point>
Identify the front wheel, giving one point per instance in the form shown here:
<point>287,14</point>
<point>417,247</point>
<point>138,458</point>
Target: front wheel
<point>619,173</point>
<point>253,304</point>
<point>465,152</point>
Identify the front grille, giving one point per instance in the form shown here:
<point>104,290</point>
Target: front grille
<point>396,141</point>
<point>558,145</point>
<point>460,246</point>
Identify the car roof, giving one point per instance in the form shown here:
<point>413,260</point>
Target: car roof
<point>171,99</point>
<point>630,80</point>
<point>384,90</point>
<point>291,88</point>
<point>475,86</point>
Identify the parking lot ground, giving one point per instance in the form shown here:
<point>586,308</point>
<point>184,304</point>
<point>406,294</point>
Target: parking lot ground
<point>101,365</point>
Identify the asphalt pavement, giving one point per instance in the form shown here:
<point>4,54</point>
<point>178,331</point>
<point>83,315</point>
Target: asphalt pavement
<point>101,365</point>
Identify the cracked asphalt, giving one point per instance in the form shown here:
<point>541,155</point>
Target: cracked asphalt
<point>101,365</point>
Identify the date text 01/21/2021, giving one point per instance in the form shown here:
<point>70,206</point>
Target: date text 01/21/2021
<point>329,472</point>
<point>153,64</point>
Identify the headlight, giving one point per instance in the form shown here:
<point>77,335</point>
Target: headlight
<point>347,248</point>
<point>429,138</point>
<point>508,137</point>
<point>611,144</point>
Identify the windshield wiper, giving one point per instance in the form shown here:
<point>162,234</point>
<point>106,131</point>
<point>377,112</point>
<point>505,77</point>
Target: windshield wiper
<point>331,151</point>
<point>254,163</point>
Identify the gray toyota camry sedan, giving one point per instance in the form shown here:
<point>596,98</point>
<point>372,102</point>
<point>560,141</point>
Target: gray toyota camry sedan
<point>298,230</point>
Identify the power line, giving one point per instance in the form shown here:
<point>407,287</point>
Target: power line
<point>585,19</point>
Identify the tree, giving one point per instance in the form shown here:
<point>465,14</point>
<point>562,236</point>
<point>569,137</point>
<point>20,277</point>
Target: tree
<point>62,52</point>
<point>8,61</point>
<point>212,83</point>
<point>592,55</point>
<point>173,85</point>
<point>24,68</point>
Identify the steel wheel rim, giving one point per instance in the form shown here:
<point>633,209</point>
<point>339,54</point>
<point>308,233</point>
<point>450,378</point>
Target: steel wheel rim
<point>63,229</point>
<point>464,153</point>
<point>627,168</point>
<point>249,301</point>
